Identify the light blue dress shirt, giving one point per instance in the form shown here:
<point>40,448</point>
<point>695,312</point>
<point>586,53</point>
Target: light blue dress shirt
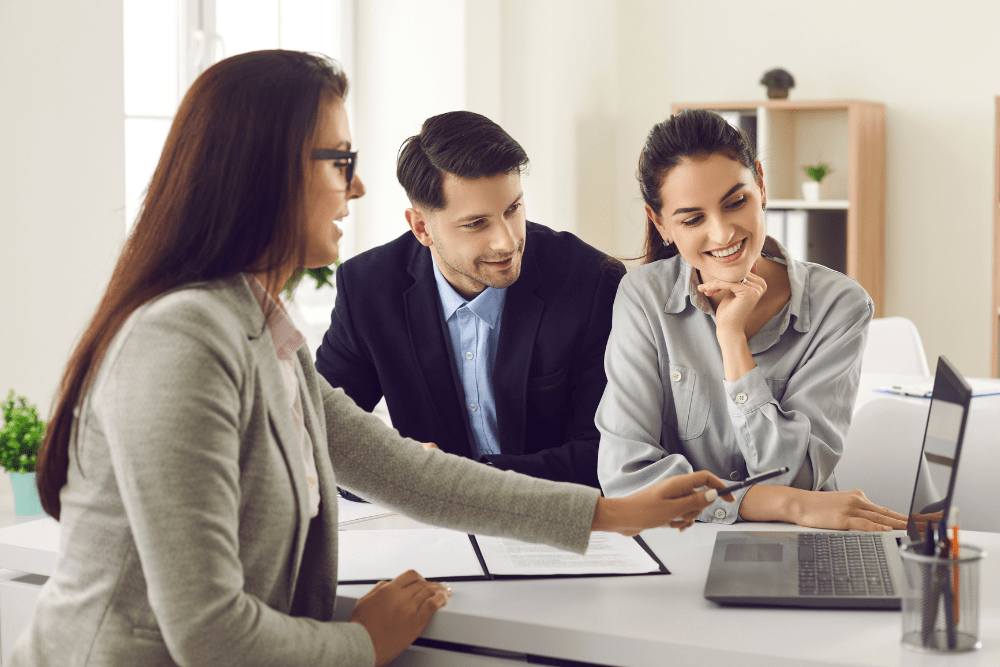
<point>668,409</point>
<point>474,330</point>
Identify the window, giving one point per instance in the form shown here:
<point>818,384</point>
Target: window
<point>168,43</point>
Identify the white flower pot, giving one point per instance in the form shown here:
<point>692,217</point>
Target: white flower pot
<point>810,190</point>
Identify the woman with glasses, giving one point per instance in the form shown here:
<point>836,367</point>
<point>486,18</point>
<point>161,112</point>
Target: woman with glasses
<point>194,452</point>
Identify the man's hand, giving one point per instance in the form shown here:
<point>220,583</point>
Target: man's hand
<point>395,612</point>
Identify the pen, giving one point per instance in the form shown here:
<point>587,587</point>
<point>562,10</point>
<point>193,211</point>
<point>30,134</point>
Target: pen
<point>900,391</point>
<point>955,554</point>
<point>753,480</point>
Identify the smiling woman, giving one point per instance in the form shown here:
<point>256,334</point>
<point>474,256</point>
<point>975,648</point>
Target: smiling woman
<point>727,354</point>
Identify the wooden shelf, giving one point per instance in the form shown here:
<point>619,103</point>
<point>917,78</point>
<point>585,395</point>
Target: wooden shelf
<point>849,135</point>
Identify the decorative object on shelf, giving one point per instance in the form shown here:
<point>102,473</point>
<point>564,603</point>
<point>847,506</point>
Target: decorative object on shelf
<point>816,172</point>
<point>778,82</point>
<point>20,439</point>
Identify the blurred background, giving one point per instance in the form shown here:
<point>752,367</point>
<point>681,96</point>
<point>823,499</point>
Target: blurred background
<point>88,91</point>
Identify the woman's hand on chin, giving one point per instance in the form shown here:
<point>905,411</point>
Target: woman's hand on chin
<point>738,301</point>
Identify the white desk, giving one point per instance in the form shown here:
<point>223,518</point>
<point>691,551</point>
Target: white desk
<point>663,620</point>
<point>616,621</point>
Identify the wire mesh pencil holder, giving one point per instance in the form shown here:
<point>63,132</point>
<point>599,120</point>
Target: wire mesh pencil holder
<point>941,600</point>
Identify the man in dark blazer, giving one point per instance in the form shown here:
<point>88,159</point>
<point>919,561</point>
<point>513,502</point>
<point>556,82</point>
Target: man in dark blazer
<point>484,332</point>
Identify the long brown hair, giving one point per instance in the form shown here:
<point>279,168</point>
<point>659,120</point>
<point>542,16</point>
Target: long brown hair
<point>690,134</point>
<point>225,198</point>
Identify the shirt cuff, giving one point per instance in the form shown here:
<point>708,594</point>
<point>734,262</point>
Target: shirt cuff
<point>724,512</point>
<point>748,394</point>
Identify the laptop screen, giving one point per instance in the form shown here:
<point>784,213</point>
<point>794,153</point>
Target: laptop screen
<point>938,464</point>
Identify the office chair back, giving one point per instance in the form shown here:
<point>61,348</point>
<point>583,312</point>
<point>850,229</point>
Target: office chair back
<point>894,346</point>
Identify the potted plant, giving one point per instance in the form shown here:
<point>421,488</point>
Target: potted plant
<point>321,275</point>
<point>816,173</point>
<point>778,82</point>
<point>20,439</point>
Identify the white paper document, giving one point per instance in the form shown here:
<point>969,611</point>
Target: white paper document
<point>349,511</point>
<point>437,553</point>
<point>376,555</point>
<point>608,553</point>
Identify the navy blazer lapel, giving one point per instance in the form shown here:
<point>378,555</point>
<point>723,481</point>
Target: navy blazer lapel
<point>426,335</point>
<point>522,314</point>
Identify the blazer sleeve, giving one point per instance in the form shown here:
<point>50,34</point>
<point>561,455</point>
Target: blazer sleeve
<point>445,490</point>
<point>170,402</point>
<point>342,358</point>
<point>576,459</point>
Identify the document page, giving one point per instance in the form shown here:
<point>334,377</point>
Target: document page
<point>349,511</point>
<point>376,555</point>
<point>608,553</point>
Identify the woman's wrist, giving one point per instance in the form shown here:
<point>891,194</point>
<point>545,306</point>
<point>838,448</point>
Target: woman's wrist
<point>765,502</point>
<point>606,514</point>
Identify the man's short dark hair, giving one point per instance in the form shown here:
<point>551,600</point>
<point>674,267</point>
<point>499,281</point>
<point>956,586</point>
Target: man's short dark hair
<point>462,143</point>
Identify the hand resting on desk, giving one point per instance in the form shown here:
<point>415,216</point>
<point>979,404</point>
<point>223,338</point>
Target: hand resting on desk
<point>839,510</point>
<point>395,612</point>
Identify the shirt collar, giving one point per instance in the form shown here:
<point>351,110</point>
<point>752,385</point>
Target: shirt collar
<point>686,289</point>
<point>284,334</point>
<point>487,306</point>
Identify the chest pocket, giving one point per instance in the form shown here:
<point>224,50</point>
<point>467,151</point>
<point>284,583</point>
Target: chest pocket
<point>692,400</point>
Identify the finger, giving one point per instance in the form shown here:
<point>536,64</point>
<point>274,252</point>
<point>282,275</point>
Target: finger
<point>857,523</point>
<point>409,578</point>
<point>429,446</point>
<point>892,522</point>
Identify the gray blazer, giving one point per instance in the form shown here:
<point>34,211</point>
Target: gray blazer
<point>185,530</point>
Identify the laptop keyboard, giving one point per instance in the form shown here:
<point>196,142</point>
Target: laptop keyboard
<point>843,564</point>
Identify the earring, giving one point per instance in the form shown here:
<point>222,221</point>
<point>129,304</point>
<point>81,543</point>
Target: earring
<point>763,206</point>
<point>666,243</point>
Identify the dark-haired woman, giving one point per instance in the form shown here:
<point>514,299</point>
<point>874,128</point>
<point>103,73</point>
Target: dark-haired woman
<point>726,354</point>
<point>191,456</point>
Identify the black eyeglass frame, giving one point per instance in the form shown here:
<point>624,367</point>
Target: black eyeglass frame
<point>336,154</point>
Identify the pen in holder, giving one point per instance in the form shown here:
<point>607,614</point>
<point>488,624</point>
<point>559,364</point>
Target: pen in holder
<point>941,598</point>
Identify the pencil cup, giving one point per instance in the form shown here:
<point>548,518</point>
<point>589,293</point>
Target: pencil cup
<point>941,600</point>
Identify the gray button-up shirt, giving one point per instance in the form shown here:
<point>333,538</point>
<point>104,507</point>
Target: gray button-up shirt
<point>668,409</point>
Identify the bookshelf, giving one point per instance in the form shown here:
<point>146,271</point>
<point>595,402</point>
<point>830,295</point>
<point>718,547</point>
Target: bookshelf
<point>845,229</point>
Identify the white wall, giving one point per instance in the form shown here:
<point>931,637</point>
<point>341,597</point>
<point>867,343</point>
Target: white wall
<point>62,181</point>
<point>415,51</point>
<point>582,82</point>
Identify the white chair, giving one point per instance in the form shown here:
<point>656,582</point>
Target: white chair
<point>882,451</point>
<point>894,346</point>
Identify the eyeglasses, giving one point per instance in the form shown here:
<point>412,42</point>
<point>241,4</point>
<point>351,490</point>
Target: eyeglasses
<point>350,157</point>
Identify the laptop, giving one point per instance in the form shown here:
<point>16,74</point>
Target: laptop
<point>847,569</point>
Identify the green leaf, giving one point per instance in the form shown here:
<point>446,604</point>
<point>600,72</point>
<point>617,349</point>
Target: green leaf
<point>21,435</point>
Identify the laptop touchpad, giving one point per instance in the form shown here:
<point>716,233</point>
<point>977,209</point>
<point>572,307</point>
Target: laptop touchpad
<point>754,553</point>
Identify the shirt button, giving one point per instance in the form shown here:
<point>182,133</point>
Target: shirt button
<point>468,355</point>
<point>741,398</point>
<point>720,513</point>
<point>472,406</point>
<point>676,376</point>
<point>735,476</point>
